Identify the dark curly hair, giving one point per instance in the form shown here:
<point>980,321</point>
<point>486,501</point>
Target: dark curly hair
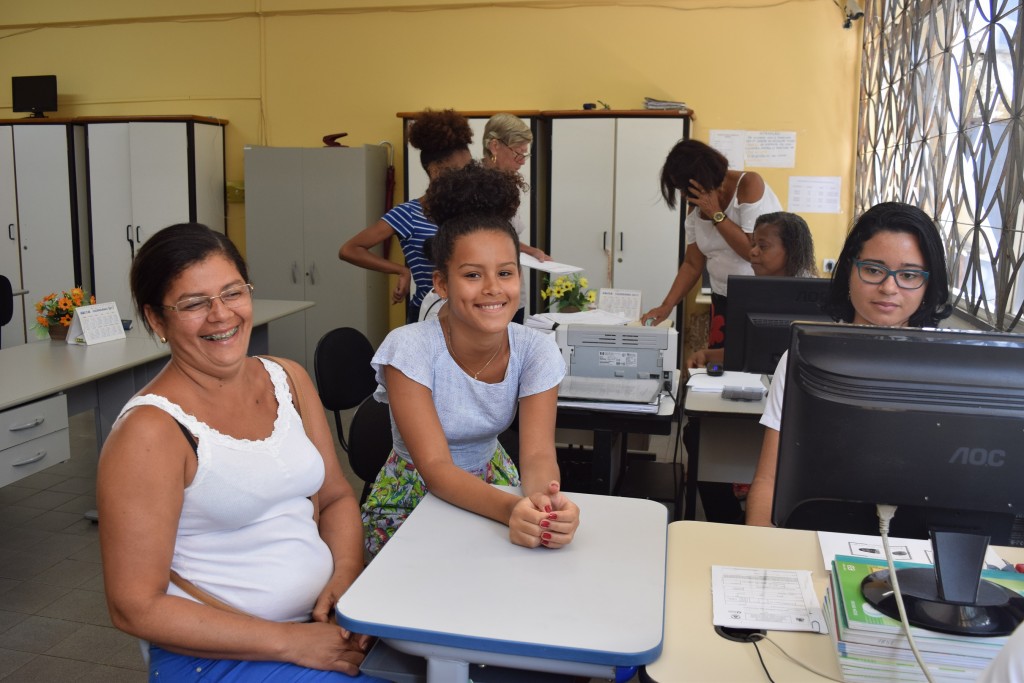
<point>796,240</point>
<point>903,218</point>
<point>439,134</point>
<point>691,160</point>
<point>467,200</point>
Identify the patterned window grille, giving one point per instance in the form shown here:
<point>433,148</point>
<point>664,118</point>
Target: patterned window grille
<point>941,126</point>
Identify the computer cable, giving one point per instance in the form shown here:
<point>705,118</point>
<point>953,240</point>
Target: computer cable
<point>805,667</point>
<point>885,515</point>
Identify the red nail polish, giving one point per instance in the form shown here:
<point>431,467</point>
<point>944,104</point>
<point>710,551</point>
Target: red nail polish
<point>547,508</point>
<point>545,523</point>
<point>552,516</point>
<point>543,542</point>
<point>546,535</point>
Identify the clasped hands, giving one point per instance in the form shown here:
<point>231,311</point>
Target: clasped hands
<point>544,519</point>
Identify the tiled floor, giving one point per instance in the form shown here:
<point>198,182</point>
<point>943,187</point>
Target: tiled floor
<point>54,624</point>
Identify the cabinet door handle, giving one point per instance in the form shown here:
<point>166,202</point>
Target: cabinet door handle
<point>138,237</point>
<point>131,244</point>
<point>35,458</point>
<point>28,425</point>
<point>10,231</point>
<point>312,273</point>
<point>604,241</point>
<point>620,241</point>
<point>295,273</point>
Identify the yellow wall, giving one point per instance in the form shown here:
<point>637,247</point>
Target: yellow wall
<point>315,67</point>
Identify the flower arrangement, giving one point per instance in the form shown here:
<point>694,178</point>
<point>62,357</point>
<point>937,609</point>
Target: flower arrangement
<point>58,309</point>
<point>569,291</point>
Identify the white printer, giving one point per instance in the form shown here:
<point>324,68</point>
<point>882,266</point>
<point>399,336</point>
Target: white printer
<point>628,352</point>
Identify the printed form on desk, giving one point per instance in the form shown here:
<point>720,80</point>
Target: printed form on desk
<point>771,599</point>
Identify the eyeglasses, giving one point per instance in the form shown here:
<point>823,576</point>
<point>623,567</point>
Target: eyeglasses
<point>518,156</point>
<point>875,274</point>
<point>200,306</point>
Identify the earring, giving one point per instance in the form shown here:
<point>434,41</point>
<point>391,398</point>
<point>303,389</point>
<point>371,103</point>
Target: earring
<point>163,340</point>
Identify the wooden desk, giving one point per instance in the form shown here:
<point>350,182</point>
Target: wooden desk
<point>727,434</point>
<point>104,376</point>
<point>451,587</point>
<point>693,651</point>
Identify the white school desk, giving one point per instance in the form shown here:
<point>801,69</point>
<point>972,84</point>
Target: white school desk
<point>104,376</point>
<point>693,651</point>
<point>451,587</point>
<point>723,441</point>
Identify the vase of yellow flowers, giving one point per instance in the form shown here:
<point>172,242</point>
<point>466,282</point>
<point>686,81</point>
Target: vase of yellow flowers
<point>55,312</point>
<point>569,293</point>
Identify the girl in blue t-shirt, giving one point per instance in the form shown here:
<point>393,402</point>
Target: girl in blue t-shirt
<point>454,382</point>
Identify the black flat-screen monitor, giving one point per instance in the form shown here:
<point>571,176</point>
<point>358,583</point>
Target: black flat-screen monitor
<point>36,94</point>
<point>759,313</point>
<point>931,421</point>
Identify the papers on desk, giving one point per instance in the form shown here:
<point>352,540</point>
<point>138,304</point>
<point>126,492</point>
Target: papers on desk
<point>701,381</point>
<point>903,550</point>
<point>603,389</point>
<point>553,267</point>
<point>772,599</point>
<point>549,321</point>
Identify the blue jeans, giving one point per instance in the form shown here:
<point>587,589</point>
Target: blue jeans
<point>168,667</point>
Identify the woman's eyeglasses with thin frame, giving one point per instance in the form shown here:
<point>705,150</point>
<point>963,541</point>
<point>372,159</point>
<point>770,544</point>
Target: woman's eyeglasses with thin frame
<point>905,278</point>
<point>518,156</point>
<point>235,296</point>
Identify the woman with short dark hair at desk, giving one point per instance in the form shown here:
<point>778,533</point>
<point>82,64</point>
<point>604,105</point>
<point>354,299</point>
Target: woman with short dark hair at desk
<point>207,476</point>
<point>724,206</point>
<point>443,138</point>
<point>891,272</point>
<point>782,246</point>
<point>454,382</point>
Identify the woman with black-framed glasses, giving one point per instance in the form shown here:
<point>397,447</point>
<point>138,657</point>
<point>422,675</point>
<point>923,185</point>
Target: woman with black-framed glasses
<point>891,272</point>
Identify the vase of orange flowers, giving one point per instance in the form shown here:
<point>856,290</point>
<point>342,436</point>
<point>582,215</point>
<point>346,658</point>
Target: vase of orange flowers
<point>54,312</point>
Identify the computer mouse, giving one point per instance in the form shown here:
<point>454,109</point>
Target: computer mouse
<point>715,370</point>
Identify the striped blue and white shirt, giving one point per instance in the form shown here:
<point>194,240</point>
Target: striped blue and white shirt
<point>413,228</point>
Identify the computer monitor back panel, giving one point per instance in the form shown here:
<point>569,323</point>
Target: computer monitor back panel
<point>928,420</point>
<point>759,314</point>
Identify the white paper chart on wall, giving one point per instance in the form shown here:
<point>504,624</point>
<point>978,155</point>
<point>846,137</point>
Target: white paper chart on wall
<point>95,324</point>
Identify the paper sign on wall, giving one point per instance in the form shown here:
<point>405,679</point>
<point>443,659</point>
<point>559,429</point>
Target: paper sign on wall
<point>771,148</point>
<point>95,324</point>
<point>814,194</point>
<point>732,144</point>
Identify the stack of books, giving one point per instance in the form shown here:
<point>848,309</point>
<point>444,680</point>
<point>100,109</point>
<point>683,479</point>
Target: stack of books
<point>872,647</point>
<point>651,103</point>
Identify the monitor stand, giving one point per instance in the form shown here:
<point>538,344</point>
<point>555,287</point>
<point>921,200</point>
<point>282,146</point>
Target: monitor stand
<point>952,597</point>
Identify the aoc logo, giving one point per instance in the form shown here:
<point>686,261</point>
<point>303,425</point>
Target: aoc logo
<point>979,457</point>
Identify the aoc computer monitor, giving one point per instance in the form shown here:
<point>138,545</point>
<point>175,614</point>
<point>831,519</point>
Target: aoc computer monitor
<point>760,311</point>
<point>930,421</point>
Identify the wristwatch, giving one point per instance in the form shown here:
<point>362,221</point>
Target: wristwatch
<point>718,218</point>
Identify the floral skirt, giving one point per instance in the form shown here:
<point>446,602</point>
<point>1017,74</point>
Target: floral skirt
<point>399,488</point>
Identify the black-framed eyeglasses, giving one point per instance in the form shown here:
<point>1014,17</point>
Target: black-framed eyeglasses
<point>905,278</point>
<point>235,296</point>
<point>518,156</point>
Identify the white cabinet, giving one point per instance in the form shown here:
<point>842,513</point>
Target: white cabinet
<point>144,176</point>
<point>606,210</point>
<point>301,205</point>
<point>40,248</point>
<point>33,437</point>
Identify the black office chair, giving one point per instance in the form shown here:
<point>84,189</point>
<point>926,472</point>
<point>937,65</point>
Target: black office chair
<point>344,377</point>
<point>369,442</point>
<point>6,301</point>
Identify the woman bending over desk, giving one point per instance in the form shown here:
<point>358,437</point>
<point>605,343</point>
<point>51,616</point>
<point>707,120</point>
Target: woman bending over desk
<point>207,476</point>
<point>891,272</point>
<point>454,382</point>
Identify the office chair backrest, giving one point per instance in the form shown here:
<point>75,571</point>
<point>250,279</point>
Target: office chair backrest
<point>6,300</point>
<point>369,441</point>
<point>344,377</point>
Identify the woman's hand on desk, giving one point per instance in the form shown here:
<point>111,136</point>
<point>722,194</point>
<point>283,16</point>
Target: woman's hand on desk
<point>549,519</point>
<point>705,357</point>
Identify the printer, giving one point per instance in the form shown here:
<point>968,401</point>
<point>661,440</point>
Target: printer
<point>628,352</point>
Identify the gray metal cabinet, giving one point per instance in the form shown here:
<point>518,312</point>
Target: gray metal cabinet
<point>301,205</point>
